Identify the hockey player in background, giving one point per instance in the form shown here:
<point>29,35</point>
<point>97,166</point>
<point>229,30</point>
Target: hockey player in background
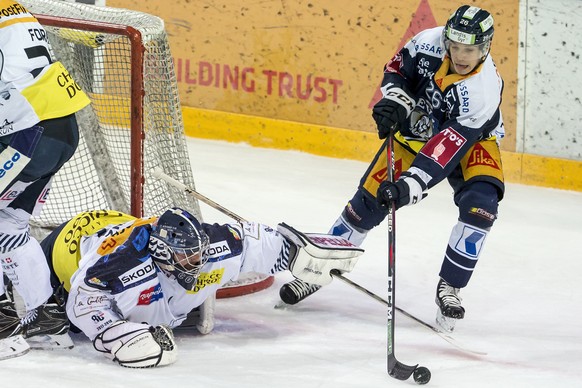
<point>441,97</point>
<point>131,280</point>
<point>38,134</point>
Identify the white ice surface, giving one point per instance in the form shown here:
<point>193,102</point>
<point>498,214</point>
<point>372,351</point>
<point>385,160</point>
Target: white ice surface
<point>524,302</point>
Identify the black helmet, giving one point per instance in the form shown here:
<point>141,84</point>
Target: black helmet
<point>470,25</point>
<point>178,245</point>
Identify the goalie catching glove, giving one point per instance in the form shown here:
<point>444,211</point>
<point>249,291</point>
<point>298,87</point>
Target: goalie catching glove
<point>137,345</point>
<point>319,254</point>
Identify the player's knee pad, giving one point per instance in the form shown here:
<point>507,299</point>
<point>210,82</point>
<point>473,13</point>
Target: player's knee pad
<point>478,205</point>
<point>345,229</point>
<point>363,212</point>
<point>463,251</point>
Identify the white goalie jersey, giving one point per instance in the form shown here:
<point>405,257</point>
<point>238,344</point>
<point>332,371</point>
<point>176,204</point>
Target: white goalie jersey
<point>117,279</point>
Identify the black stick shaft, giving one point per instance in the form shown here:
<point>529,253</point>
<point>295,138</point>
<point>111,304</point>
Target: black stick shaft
<point>395,368</point>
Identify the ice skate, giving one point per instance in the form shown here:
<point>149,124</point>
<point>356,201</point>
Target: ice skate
<point>449,303</point>
<point>47,326</point>
<point>9,319</point>
<point>297,290</point>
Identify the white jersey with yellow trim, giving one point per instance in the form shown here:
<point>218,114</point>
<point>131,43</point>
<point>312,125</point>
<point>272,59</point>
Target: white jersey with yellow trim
<point>33,87</point>
<point>117,279</point>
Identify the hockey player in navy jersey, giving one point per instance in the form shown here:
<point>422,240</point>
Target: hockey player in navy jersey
<point>131,280</point>
<point>441,98</point>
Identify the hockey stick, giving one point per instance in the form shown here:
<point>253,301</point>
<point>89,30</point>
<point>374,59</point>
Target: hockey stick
<point>428,326</point>
<point>395,368</point>
<point>158,173</point>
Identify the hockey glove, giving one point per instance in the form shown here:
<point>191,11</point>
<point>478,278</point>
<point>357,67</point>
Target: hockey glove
<point>407,190</point>
<point>391,110</point>
<point>137,345</point>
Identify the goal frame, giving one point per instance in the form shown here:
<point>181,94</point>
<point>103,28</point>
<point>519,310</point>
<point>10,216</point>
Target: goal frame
<point>137,129</point>
<point>137,93</point>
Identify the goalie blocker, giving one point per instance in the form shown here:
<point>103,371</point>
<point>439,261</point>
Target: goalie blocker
<point>319,254</point>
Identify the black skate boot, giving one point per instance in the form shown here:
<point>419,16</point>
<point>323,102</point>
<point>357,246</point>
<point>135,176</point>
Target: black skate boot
<point>9,319</point>
<point>47,326</point>
<point>296,290</point>
<point>449,302</point>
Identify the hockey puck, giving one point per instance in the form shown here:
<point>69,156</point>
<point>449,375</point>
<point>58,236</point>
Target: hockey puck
<point>421,375</point>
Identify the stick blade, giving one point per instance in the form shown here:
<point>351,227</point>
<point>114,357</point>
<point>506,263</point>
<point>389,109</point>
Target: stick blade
<point>399,370</point>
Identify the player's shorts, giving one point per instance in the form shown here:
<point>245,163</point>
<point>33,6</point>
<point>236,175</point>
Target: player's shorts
<point>481,164</point>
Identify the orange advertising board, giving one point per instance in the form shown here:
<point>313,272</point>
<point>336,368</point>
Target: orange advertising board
<point>313,62</point>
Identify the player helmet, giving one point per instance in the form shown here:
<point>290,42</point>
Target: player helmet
<point>178,245</point>
<point>470,25</point>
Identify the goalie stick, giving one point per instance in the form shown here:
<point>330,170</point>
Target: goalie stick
<point>158,173</point>
<point>395,368</point>
<point>254,282</point>
<point>424,324</point>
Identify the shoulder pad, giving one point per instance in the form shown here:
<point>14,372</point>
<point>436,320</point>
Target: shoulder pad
<point>128,266</point>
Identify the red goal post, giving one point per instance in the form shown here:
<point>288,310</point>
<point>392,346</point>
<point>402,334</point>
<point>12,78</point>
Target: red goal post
<point>136,99</point>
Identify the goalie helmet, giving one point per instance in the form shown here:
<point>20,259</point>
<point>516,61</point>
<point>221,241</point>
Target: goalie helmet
<point>178,245</point>
<point>470,25</point>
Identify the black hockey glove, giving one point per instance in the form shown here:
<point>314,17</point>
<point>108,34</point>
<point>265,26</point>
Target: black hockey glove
<point>391,110</point>
<point>407,190</point>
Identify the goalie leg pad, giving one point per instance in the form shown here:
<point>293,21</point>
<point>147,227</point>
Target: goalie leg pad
<point>319,254</point>
<point>135,345</point>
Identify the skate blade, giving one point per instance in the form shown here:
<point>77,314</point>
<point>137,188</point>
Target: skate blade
<point>51,342</point>
<point>282,305</point>
<point>446,324</point>
<point>12,347</point>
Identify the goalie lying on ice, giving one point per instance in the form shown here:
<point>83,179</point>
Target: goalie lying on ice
<point>131,280</point>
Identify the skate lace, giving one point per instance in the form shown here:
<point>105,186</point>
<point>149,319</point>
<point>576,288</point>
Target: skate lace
<point>29,317</point>
<point>302,289</point>
<point>449,295</point>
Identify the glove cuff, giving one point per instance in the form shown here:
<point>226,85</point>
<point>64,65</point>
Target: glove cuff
<point>401,97</point>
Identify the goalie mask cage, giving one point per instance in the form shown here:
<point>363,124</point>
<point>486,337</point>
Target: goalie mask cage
<point>122,61</point>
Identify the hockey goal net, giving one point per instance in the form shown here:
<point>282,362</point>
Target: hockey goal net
<point>122,60</point>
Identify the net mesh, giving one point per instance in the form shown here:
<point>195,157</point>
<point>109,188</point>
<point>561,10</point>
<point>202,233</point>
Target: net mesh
<point>99,174</point>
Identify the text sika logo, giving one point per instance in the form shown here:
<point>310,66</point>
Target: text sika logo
<point>480,157</point>
<point>382,175</point>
